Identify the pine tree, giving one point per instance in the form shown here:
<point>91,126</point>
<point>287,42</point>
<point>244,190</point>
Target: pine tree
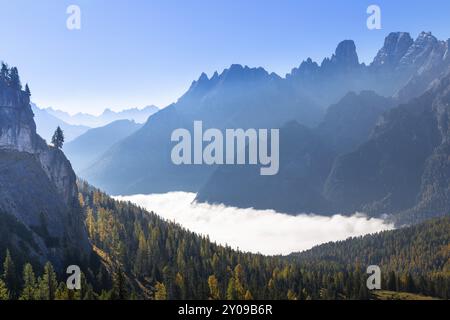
<point>48,283</point>
<point>239,280</point>
<point>4,293</point>
<point>27,90</point>
<point>231,291</point>
<point>248,296</point>
<point>4,73</point>
<point>29,279</point>
<point>14,79</point>
<point>58,138</point>
<point>9,274</point>
<point>63,293</point>
<point>214,291</point>
<point>119,291</point>
<point>160,292</point>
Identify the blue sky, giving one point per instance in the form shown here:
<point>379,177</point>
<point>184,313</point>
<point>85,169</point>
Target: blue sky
<point>132,53</point>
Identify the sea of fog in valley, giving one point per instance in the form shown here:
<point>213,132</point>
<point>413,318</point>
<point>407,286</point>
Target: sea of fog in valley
<point>263,231</point>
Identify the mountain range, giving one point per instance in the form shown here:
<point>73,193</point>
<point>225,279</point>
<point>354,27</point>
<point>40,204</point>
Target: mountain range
<point>389,157</point>
<point>141,163</point>
<point>331,117</point>
<point>47,218</point>
<point>108,116</point>
<point>46,125</point>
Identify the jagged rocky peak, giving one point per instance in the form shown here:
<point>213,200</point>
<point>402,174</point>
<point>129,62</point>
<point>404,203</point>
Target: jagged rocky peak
<point>421,49</point>
<point>345,56</point>
<point>234,74</point>
<point>237,72</point>
<point>306,69</point>
<point>395,47</point>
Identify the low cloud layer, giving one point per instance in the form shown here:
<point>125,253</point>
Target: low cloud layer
<point>263,231</point>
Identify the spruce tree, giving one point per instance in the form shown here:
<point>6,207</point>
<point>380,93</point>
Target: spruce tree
<point>14,79</point>
<point>48,283</point>
<point>30,286</point>
<point>9,274</point>
<point>119,291</point>
<point>27,90</point>
<point>58,138</point>
<point>4,73</point>
<point>214,290</point>
<point>4,293</point>
<point>161,292</point>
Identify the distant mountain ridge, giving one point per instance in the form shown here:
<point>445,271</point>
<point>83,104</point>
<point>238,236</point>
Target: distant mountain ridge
<point>402,68</point>
<point>108,116</point>
<point>389,161</point>
<point>86,148</point>
<point>46,125</point>
<point>141,163</point>
<point>244,97</point>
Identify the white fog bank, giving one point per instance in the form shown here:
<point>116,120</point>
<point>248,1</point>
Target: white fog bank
<point>263,231</point>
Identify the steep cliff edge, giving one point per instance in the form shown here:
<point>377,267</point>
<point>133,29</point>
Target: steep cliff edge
<point>37,184</point>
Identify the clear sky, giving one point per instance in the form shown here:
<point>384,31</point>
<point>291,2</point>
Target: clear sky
<point>132,53</point>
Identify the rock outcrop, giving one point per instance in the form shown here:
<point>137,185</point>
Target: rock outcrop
<point>18,132</point>
<point>37,183</point>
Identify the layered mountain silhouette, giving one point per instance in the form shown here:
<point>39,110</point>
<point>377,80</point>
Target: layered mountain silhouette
<point>47,123</point>
<point>306,158</point>
<point>243,97</point>
<point>387,162</point>
<point>85,149</point>
<point>108,116</point>
<point>240,97</point>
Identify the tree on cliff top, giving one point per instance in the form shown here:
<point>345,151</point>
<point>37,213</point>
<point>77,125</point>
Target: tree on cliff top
<point>58,138</point>
<point>4,73</point>
<point>14,79</point>
<point>27,90</point>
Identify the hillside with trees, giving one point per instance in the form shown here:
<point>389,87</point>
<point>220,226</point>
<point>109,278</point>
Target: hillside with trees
<point>141,256</point>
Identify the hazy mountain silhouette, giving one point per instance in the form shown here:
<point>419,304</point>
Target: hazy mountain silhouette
<point>85,149</point>
<point>240,97</point>
<point>46,125</point>
<point>404,167</point>
<point>306,158</point>
<point>108,116</point>
<point>243,97</point>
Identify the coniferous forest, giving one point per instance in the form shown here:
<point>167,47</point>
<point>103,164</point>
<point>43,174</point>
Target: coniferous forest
<point>138,255</point>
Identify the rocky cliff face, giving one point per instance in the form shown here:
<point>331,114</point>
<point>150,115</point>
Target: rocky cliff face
<point>37,183</point>
<point>18,132</point>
